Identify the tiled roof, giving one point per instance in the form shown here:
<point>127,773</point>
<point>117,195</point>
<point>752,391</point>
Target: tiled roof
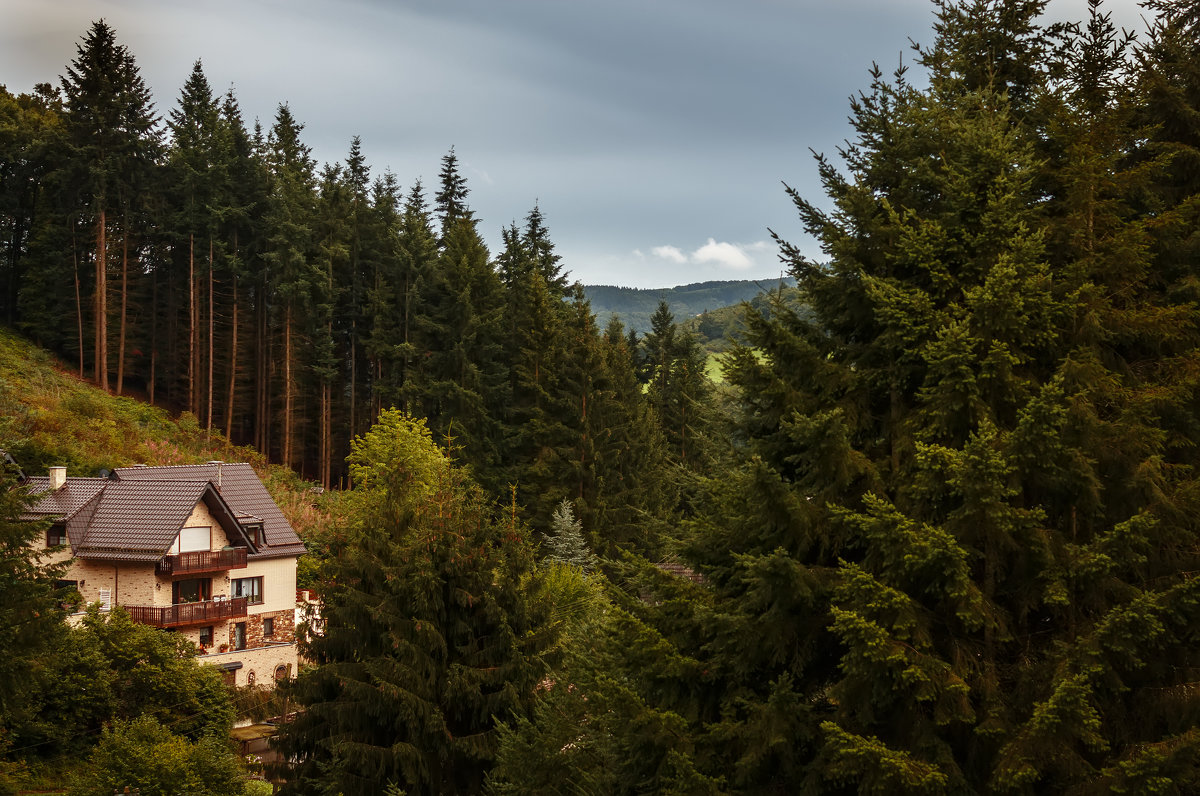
<point>64,502</point>
<point>140,518</point>
<point>239,485</point>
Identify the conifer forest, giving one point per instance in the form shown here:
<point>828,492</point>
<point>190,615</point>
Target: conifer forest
<point>936,530</point>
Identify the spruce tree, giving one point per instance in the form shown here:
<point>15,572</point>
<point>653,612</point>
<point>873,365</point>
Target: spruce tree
<point>289,258</point>
<point>113,135</point>
<point>432,629</point>
<point>937,472</point>
<point>195,182</point>
<point>565,543</point>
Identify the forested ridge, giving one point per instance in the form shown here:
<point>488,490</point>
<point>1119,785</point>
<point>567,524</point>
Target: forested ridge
<point>636,306</point>
<point>937,534</point>
<point>183,258</point>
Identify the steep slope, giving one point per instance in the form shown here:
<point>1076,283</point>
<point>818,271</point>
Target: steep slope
<point>50,417</point>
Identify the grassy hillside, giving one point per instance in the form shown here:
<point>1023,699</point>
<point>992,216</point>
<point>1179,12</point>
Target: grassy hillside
<point>634,306</point>
<point>50,417</point>
<point>718,329</point>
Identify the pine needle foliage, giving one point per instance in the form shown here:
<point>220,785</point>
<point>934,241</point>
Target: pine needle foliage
<point>431,629</point>
<point>565,543</point>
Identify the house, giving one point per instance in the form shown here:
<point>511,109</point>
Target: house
<point>200,550</point>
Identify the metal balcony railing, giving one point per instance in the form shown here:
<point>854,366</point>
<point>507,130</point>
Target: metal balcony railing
<point>202,561</point>
<point>183,614</point>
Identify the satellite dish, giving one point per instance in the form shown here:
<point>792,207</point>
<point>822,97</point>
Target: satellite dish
<point>104,472</point>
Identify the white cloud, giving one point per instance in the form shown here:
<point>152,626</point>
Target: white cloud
<point>670,253</point>
<point>722,254</point>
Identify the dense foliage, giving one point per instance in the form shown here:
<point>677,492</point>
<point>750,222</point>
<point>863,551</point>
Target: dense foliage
<point>432,631</point>
<point>948,544</point>
<point>958,553</point>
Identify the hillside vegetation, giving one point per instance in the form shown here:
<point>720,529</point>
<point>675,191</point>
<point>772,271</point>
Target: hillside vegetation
<point>717,330</point>
<point>50,417</point>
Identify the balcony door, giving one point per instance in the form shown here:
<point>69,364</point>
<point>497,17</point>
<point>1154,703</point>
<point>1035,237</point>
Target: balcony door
<point>192,590</point>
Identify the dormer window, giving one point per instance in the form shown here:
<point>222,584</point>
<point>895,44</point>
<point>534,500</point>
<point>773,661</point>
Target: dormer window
<point>254,531</point>
<point>56,535</point>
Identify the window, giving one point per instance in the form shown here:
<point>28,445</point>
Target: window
<point>195,539</point>
<point>247,587</point>
<point>283,671</point>
<point>56,535</point>
<point>192,590</point>
<point>105,599</point>
<point>239,636</point>
<point>255,532</point>
<point>268,627</point>
<point>206,636</point>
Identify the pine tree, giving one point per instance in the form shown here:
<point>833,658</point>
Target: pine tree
<point>112,130</point>
<point>457,331</point>
<point>933,473</point>
<point>288,253</point>
<point>31,611</point>
<point>432,629</point>
<point>195,181</point>
<point>398,340</point>
<point>243,196</point>
<point>332,342</point>
<point>635,494</point>
<point>565,541</point>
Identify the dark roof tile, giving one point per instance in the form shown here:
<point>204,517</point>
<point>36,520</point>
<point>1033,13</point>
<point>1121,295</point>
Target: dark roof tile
<point>241,488</point>
<point>140,516</point>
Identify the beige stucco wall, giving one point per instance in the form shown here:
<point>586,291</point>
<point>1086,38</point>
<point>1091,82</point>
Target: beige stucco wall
<point>203,518</point>
<point>279,583</point>
<point>262,661</point>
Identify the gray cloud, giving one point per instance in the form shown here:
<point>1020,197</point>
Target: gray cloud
<point>633,124</point>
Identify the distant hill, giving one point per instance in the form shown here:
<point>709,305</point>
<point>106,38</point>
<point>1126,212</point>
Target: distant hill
<point>634,306</point>
<point>716,330</point>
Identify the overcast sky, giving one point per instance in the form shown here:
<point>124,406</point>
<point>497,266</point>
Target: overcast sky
<point>653,134</point>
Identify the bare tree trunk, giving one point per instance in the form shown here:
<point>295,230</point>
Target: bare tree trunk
<point>326,452</point>
<point>287,384</point>
<point>101,301</point>
<point>233,341</point>
<point>262,411</point>
<point>78,301</point>
<point>191,370</point>
<point>153,332</point>
<point>208,422</point>
<point>124,307</point>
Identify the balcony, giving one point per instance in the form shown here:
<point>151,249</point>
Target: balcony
<point>203,561</point>
<point>185,614</point>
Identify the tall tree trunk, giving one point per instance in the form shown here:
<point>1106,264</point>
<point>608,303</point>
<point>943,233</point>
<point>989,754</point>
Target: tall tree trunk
<point>124,307</point>
<point>288,396</point>
<point>262,413</point>
<point>191,369</point>
<point>153,332</point>
<point>78,300</point>
<point>208,421</point>
<point>233,341</point>
<point>326,433</point>
<point>353,375</point>
<point>101,301</point>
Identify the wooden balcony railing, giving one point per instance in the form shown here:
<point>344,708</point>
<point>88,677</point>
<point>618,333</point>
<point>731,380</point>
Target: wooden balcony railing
<point>202,561</point>
<point>184,614</point>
